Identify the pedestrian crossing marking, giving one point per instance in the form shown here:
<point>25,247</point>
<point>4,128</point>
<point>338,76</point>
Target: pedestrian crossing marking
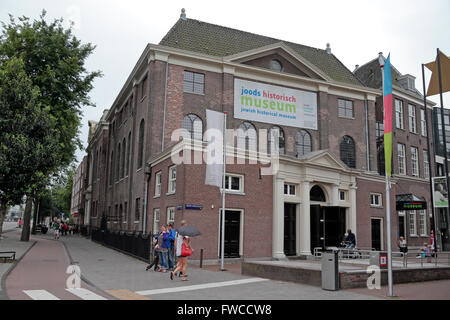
<point>40,295</point>
<point>85,294</point>
<point>200,286</point>
<point>124,294</point>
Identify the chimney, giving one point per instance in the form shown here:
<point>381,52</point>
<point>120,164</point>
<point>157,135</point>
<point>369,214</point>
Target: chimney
<point>356,67</point>
<point>328,48</point>
<point>183,14</point>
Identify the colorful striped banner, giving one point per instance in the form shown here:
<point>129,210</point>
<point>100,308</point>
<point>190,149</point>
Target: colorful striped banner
<point>387,102</point>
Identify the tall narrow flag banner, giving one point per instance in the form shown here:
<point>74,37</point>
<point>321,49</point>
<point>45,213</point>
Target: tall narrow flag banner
<point>214,151</point>
<point>387,102</point>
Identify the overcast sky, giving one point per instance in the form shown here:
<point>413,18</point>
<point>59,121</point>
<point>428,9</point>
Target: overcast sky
<point>357,30</point>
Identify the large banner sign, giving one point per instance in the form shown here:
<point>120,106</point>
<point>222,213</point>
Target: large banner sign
<point>272,104</point>
<point>440,192</point>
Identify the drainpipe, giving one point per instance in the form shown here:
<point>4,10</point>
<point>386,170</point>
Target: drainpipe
<point>165,107</point>
<point>148,173</point>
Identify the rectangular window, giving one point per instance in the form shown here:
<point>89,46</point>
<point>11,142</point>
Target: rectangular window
<point>155,220</point>
<point>342,195</point>
<point>194,82</point>
<point>423,123</point>
<point>414,161</point>
<point>426,165</point>
<point>376,200</point>
<point>412,118</point>
<point>172,179</point>
<point>399,114</point>
<point>401,158</point>
<point>345,108</point>
<point>170,215</point>
<point>143,87</point>
<point>380,129</point>
<point>422,222</point>
<point>125,212</point>
<point>137,216</point>
<point>234,183</point>
<point>158,184</point>
<point>289,189</point>
<point>412,223</point>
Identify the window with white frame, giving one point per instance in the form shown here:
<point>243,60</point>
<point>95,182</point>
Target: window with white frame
<point>414,161</point>
<point>426,165</point>
<point>376,200</point>
<point>422,222</point>
<point>290,189</point>
<point>412,118</point>
<point>156,220</point>
<point>401,158</point>
<point>342,195</point>
<point>399,114</point>
<point>423,123</point>
<point>170,215</point>
<point>172,179</point>
<point>234,183</point>
<point>158,184</point>
<point>412,223</point>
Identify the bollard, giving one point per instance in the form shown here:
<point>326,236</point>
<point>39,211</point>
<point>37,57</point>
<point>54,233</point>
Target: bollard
<point>201,258</point>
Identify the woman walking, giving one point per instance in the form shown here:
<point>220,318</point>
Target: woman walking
<point>186,251</point>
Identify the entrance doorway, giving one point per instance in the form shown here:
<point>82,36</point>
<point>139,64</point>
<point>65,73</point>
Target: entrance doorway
<point>327,226</point>
<point>290,210</point>
<point>401,227</point>
<point>232,234</point>
<point>376,233</point>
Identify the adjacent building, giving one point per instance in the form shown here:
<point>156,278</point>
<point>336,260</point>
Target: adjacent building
<point>322,120</point>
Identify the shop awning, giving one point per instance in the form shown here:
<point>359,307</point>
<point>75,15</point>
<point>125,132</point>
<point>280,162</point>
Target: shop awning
<point>410,202</point>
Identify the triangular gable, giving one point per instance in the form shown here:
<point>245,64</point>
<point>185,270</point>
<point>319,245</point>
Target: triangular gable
<point>284,51</point>
<point>325,158</point>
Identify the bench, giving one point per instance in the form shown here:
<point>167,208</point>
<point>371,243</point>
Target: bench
<point>8,256</point>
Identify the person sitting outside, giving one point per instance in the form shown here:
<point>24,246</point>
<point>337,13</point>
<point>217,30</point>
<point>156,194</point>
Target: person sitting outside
<point>350,240</point>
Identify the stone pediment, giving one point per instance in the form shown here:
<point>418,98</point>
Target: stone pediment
<point>325,159</point>
<point>292,61</point>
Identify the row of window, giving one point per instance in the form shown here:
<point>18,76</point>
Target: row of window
<point>412,118</point>
<point>401,157</point>
<point>417,222</point>
<point>157,217</point>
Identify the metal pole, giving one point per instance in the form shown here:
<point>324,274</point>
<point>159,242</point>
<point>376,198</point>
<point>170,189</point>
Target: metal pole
<point>430,172</point>
<point>443,134</point>
<point>222,265</point>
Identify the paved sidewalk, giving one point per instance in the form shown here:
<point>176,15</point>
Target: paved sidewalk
<point>11,242</point>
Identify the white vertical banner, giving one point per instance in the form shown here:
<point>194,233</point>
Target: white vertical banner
<point>214,150</point>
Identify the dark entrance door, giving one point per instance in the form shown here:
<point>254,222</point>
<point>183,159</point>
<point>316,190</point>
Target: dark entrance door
<point>289,229</point>
<point>232,234</point>
<point>334,226</point>
<point>401,226</point>
<point>376,234</point>
<point>316,220</point>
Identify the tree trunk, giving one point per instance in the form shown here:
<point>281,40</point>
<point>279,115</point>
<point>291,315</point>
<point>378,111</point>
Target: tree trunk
<point>2,215</point>
<point>33,227</point>
<point>26,220</point>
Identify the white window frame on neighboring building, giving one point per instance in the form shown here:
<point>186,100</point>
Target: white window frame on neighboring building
<point>228,183</point>
<point>399,114</point>
<point>426,165</point>
<point>412,118</point>
<point>156,219</point>
<point>170,215</point>
<point>172,185</point>
<point>401,157</point>
<point>422,222</point>
<point>423,122</point>
<point>412,223</point>
<point>376,199</point>
<point>414,161</point>
<point>290,189</point>
<point>158,180</point>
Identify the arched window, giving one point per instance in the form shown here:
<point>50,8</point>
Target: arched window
<point>317,194</point>
<point>347,151</point>
<point>276,134</point>
<point>141,144</point>
<point>303,143</point>
<point>194,126</point>
<point>111,168</point>
<point>128,153</point>
<point>247,137</point>
<point>122,168</point>
<point>118,163</point>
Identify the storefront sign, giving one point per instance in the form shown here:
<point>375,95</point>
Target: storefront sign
<point>256,101</point>
<point>409,205</point>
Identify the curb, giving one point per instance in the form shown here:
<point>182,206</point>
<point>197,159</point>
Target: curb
<point>3,294</point>
<point>83,278</point>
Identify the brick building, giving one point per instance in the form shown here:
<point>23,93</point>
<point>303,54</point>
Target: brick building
<point>78,197</point>
<point>327,180</point>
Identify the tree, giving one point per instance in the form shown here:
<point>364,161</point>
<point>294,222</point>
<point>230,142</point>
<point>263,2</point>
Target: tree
<point>52,59</point>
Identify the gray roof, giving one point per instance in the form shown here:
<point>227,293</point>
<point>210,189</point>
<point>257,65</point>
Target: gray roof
<point>215,40</point>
